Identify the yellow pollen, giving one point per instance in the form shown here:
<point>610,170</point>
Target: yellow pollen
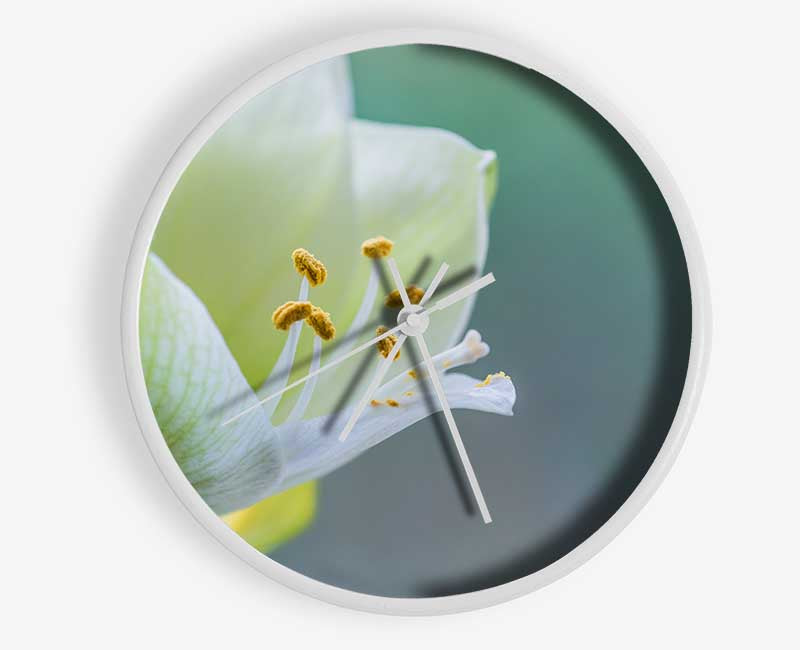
<point>414,296</point>
<point>374,402</point>
<point>377,247</point>
<point>489,378</point>
<point>309,266</point>
<point>412,374</point>
<point>385,345</point>
<point>409,393</point>
<point>391,402</point>
<point>320,322</point>
<point>291,312</point>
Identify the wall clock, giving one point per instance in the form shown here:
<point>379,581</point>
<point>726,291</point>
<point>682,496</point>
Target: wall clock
<point>415,322</point>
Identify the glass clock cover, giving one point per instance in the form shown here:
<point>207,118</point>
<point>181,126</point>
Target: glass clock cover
<point>415,321</point>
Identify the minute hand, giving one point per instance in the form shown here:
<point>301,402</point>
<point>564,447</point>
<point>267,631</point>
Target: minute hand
<point>451,422</point>
<point>462,293</point>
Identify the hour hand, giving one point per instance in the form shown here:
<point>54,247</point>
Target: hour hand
<point>380,373</point>
<point>451,422</point>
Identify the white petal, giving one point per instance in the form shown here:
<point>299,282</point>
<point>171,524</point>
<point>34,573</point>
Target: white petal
<point>194,385</point>
<point>312,452</point>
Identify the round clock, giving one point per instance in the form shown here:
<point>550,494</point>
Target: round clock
<point>415,322</point>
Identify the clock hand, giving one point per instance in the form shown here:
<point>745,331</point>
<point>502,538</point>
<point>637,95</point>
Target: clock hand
<point>462,293</point>
<point>437,385</point>
<point>383,368</point>
<point>401,288</point>
<point>398,282</point>
<point>462,452</point>
<point>441,429</point>
<point>450,456</point>
<point>327,366</point>
<point>434,284</point>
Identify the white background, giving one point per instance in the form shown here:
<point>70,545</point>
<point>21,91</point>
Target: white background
<point>96,550</point>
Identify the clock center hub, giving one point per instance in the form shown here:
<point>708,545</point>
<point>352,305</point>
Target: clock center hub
<point>413,321</point>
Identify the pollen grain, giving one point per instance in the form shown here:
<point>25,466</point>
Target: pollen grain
<point>489,378</point>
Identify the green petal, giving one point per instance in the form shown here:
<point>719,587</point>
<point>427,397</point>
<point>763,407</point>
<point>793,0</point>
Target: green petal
<point>194,385</point>
<point>430,192</point>
<point>274,178</point>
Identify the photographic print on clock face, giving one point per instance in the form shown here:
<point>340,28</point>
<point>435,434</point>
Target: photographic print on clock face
<point>415,321</point>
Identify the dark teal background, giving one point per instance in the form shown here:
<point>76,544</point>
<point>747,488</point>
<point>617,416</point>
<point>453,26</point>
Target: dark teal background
<point>591,317</point>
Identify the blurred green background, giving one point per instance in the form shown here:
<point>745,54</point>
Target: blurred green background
<point>591,317</point>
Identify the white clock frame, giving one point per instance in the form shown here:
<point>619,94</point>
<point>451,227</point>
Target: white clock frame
<point>698,355</point>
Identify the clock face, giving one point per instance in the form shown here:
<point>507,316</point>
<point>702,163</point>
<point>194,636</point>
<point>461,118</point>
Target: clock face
<point>414,322</point>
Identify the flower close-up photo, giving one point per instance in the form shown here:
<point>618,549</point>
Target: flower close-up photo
<point>364,311</point>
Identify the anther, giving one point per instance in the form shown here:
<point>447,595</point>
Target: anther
<point>489,378</point>
<point>320,321</point>
<point>385,345</point>
<point>414,296</point>
<point>290,313</point>
<point>377,247</point>
<point>309,266</point>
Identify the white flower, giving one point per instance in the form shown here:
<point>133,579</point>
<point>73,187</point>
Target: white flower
<point>195,385</point>
<point>293,169</point>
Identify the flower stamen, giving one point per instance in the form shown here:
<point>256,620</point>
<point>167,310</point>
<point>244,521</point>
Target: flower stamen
<point>290,313</point>
<point>309,266</point>
<point>385,345</point>
<point>414,296</point>
<point>320,321</point>
<point>377,247</point>
<point>492,376</point>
